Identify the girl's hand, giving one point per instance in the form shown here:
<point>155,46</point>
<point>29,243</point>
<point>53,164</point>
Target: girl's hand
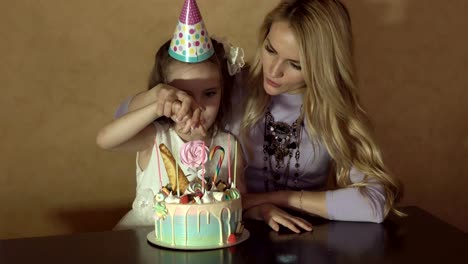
<point>186,125</point>
<point>274,217</point>
<point>177,105</point>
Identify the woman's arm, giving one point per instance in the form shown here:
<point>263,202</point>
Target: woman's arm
<point>345,204</point>
<point>311,202</point>
<point>240,170</point>
<point>275,216</point>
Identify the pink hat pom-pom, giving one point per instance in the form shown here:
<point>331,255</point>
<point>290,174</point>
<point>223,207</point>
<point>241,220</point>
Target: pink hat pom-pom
<point>190,14</point>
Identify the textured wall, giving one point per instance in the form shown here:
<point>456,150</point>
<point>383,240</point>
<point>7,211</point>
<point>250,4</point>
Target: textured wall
<point>65,65</point>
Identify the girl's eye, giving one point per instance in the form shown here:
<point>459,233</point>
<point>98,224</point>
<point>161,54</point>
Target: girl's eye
<point>210,94</point>
<point>295,66</point>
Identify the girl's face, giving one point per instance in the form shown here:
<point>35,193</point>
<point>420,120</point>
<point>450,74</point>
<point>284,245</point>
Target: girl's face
<point>202,82</point>
<point>280,59</point>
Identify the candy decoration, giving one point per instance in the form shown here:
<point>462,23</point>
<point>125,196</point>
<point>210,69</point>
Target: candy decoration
<point>220,160</point>
<point>170,165</point>
<point>232,239</point>
<point>184,199</point>
<point>190,42</point>
<point>160,207</point>
<point>165,191</point>
<point>233,193</point>
<point>239,228</point>
<point>194,154</point>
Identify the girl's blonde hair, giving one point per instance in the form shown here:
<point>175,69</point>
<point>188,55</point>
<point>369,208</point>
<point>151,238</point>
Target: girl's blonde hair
<point>332,112</point>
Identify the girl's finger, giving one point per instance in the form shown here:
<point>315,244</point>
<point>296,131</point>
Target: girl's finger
<point>167,109</point>
<point>175,109</point>
<point>203,130</point>
<point>160,108</point>
<point>187,127</point>
<point>196,118</point>
<point>187,104</point>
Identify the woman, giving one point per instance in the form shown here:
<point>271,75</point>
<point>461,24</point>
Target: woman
<point>302,125</point>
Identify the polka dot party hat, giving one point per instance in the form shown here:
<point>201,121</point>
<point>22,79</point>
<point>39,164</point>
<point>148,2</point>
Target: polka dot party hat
<point>191,42</point>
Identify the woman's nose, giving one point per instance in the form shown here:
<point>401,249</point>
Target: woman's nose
<point>276,68</point>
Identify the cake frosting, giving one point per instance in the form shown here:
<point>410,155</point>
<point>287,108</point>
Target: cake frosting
<point>203,213</point>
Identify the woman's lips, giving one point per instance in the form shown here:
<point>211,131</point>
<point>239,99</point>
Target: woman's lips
<point>272,83</point>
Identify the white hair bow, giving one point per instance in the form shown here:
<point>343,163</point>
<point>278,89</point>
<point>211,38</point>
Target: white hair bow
<point>235,56</point>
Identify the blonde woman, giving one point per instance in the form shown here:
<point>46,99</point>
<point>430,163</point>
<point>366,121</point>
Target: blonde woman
<point>303,126</point>
<point>303,119</point>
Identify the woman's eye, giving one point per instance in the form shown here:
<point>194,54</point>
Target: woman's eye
<point>296,66</point>
<point>269,49</point>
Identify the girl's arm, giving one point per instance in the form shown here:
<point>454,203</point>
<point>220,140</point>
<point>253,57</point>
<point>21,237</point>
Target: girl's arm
<point>132,131</point>
<point>164,94</point>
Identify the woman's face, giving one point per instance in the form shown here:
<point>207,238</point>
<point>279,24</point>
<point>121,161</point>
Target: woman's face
<point>280,59</point>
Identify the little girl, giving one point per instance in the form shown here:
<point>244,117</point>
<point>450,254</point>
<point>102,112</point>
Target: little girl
<point>209,84</point>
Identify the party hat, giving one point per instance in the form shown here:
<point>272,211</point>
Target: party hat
<point>191,42</point>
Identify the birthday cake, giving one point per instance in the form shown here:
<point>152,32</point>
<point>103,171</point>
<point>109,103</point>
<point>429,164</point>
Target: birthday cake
<point>203,213</point>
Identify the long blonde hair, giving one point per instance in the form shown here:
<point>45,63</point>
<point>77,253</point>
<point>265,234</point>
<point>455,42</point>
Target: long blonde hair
<point>332,111</point>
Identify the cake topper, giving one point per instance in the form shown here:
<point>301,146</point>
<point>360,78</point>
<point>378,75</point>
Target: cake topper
<point>194,154</point>
<point>175,174</point>
<point>220,161</point>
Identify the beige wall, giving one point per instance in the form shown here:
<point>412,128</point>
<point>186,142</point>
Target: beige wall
<point>65,65</point>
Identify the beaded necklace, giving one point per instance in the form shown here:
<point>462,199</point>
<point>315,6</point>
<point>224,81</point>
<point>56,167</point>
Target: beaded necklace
<point>281,142</point>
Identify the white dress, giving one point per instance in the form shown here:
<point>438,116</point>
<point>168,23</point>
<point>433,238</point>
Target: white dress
<point>149,180</point>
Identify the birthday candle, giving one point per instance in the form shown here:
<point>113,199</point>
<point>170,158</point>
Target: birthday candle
<point>157,158</point>
<point>177,176</point>
<point>235,164</point>
<point>229,158</point>
<point>203,168</point>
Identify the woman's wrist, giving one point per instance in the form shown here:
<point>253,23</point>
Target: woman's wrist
<point>285,199</point>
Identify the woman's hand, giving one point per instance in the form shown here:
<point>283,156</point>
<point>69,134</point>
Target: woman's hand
<point>275,217</point>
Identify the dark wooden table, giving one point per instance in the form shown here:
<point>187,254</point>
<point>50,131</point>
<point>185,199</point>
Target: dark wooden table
<point>418,238</point>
